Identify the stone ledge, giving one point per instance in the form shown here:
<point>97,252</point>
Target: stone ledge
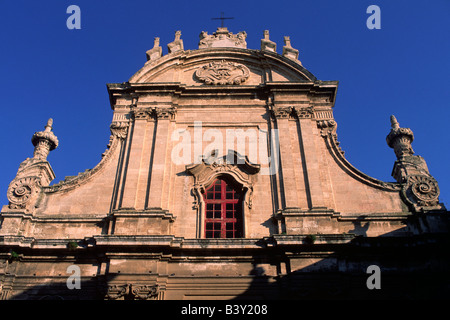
<point>148,213</point>
<point>144,240</point>
<point>313,239</point>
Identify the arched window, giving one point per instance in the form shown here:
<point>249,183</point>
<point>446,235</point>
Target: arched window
<point>223,214</point>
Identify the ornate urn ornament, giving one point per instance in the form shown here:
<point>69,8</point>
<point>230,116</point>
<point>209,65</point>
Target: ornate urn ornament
<point>33,173</point>
<point>419,189</point>
<point>222,73</point>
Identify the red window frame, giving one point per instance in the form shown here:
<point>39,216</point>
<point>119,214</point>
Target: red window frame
<point>223,211</point>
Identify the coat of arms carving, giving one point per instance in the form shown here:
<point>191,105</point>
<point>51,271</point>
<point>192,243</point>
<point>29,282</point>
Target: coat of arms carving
<point>223,72</point>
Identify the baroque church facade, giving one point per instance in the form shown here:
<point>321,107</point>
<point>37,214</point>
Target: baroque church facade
<point>223,179</point>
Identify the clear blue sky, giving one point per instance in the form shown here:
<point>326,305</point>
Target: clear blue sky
<point>49,71</point>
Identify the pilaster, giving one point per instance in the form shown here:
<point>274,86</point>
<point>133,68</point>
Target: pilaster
<point>135,158</point>
<point>159,164</point>
<point>308,141</point>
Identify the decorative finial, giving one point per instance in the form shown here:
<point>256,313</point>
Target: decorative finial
<point>177,35</point>
<point>177,44</point>
<point>156,42</point>
<point>419,189</point>
<point>266,44</point>
<point>400,139</point>
<point>287,41</point>
<point>290,52</point>
<point>394,123</point>
<point>49,125</point>
<point>156,52</point>
<point>44,141</point>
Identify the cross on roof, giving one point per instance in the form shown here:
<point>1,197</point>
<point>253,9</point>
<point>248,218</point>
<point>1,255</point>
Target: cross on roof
<point>221,18</point>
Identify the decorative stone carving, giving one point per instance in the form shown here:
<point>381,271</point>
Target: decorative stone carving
<point>177,44</point>
<point>327,127</point>
<point>33,173</point>
<point>131,292</point>
<point>222,38</point>
<point>266,44</point>
<point>155,113</point>
<point>118,129</point>
<point>233,165</point>
<point>419,189</point>
<point>222,73</point>
<point>144,292</point>
<point>422,189</point>
<point>167,113</point>
<point>288,51</point>
<point>142,113</point>
<point>116,292</point>
<point>304,113</point>
<point>44,141</point>
<point>281,112</point>
<point>328,130</point>
<point>400,139</point>
<point>22,191</point>
<point>156,52</point>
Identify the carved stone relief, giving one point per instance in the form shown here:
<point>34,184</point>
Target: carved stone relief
<point>131,292</point>
<point>223,73</point>
<point>281,112</point>
<point>222,38</point>
<point>22,191</point>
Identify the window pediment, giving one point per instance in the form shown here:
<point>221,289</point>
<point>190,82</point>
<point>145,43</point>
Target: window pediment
<point>233,164</point>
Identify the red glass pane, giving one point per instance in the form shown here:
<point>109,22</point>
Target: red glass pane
<point>223,217</point>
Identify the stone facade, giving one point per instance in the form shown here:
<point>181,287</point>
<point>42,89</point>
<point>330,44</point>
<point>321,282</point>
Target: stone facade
<point>135,223</point>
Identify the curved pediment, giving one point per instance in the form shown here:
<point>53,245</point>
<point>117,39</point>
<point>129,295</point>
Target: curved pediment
<point>222,66</point>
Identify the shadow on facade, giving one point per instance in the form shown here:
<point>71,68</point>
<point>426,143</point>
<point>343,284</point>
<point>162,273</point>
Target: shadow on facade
<point>411,267</point>
<point>94,289</point>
